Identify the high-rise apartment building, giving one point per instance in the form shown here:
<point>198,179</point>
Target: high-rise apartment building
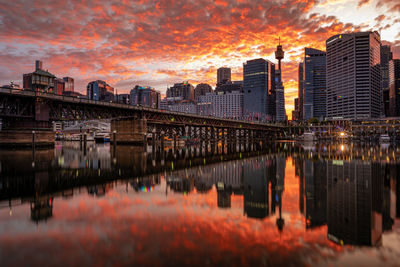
<point>394,85</point>
<point>100,91</point>
<point>258,81</point>
<point>221,104</point>
<point>386,56</point>
<point>145,96</point>
<point>301,89</point>
<point>184,91</point>
<point>353,76</point>
<point>314,84</point>
<point>223,75</point>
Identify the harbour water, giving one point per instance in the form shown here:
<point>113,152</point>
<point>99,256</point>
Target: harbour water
<point>286,204</point>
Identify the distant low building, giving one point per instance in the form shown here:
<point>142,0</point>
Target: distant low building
<point>100,91</point>
<point>39,80</point>
<point>229,86</point>
<point>183,106</point>
<point>123,98</point>
<point>145,96</point>
<point>69,84</point>
<point>59,85</point>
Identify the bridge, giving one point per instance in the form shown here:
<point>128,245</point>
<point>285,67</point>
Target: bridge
<point>27,118</point>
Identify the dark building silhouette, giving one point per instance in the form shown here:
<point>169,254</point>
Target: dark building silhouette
<point>301,90</point>
<point>229,87</point>
<point>202,89</point>
<point>259,89</point>
<point>394,88</point>
<point>223,75</point>
<point>181,91</point>
<point>386,57</point>
<point>296,111</point>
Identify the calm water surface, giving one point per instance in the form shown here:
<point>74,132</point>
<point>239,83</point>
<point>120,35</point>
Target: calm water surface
<point>289,205</point>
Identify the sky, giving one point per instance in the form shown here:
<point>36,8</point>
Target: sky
<point>159,43</point>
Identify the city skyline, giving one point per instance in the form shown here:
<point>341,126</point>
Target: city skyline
<point>129,44</point>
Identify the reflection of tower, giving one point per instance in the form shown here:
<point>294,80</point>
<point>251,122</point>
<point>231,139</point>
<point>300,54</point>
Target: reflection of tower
<point>279,91</point>
<point>354,190</point>
<point>280,186</point>
<point>41,209</point>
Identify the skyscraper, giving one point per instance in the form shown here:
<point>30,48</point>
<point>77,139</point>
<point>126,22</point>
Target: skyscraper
<point>314,84</point>
<point>386,56</point>
<point>394,85</point>
<point>223,75</point>
<point>353,76</point>
<point>258,80</point>
<point>301,90</point>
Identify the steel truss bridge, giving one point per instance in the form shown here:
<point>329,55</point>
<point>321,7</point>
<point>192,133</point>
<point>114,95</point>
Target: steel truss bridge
<point>31,110</point>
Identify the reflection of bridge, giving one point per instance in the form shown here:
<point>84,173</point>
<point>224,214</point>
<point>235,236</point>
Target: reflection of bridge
<point>27,117</point>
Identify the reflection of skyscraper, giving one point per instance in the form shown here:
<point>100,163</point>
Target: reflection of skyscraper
<point>388,201</point>
<point>353,202</point>
<point>315,193</point>
<point>256,187</point>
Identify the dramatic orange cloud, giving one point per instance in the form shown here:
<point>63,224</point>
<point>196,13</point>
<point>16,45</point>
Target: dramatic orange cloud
<point>159,43</point>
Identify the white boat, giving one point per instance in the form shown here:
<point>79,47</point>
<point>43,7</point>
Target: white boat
<point>384,138</point>
<point>309,137</point>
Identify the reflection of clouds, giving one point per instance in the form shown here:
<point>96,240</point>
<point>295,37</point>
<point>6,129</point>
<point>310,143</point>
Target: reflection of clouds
<point>97,231</point>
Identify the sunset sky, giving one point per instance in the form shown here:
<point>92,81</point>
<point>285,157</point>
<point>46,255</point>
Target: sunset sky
<point>159,43</point>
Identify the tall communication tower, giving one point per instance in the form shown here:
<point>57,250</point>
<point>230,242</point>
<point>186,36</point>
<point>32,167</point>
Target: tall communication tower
<point>279,53</point>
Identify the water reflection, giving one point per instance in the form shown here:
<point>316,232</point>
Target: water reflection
<point>333,195</point>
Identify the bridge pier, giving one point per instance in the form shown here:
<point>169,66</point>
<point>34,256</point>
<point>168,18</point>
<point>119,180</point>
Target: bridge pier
<point>129,131</point>
<point>29,134</point>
